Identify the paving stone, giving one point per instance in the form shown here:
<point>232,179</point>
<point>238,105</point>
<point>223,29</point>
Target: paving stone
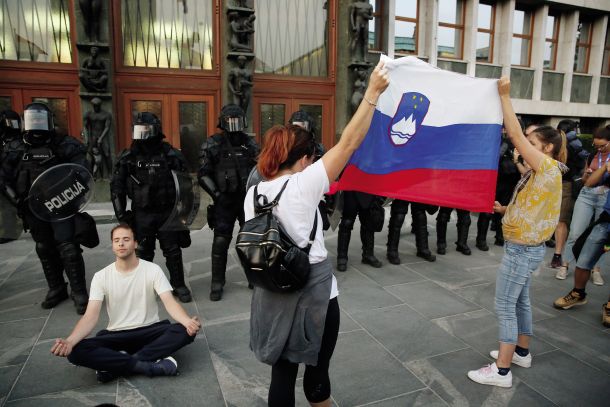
<point>577,339</point>
<point>443,273</point>
<point>86,396</point>
<point>45,373</point>
<point>8,374</point>
<point>390,274</point>
<point>17,339</point>
<point>421,398</point>
<point>197,374</point>
<point>347,323</point>
<point>446,376</point>
<point>400,329</point>
<point>360,293</point>
<point>566,380</point>
<point>432,300</point>
<point>479,329</point>
<point>356,362</point>
<point>243,379</point>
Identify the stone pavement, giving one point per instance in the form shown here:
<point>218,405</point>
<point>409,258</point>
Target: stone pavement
<point>408,336</point>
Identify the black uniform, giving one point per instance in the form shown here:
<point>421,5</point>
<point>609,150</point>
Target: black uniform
<point>22,162</point>
<point>398,213</point>
<point>226,160</point>
<point>508,176</point>
<point>362,205</point>
<point>143,173</point>
<point>463,225</point>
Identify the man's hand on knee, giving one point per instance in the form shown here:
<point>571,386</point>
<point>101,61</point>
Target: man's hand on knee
<point>193,326</point>
<point>62,347</point>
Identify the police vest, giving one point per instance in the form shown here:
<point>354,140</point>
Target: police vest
<point>34,161</point>
<point>233,168</point>
<point>150,183</point>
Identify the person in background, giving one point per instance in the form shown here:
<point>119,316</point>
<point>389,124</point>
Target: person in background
<point>529,220</point>
<point>592,197</point>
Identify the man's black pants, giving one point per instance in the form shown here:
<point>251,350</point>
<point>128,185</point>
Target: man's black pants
<point>148,343</point>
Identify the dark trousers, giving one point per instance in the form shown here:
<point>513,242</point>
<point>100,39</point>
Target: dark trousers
<point>148,343</point>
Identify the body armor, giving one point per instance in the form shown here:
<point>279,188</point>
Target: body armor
<point>233,168</point>
<point>150,184</point>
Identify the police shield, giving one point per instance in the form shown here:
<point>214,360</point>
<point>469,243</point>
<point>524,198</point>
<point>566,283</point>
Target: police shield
<point>186,213</point>
<point>60,192</point>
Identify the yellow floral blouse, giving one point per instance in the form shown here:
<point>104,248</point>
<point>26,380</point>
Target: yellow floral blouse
<point>531,216</point>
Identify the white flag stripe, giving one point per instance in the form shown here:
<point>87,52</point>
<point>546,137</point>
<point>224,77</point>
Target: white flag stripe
<point>454,98</point>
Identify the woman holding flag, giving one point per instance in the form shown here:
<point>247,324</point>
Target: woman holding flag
<point>529,220</point>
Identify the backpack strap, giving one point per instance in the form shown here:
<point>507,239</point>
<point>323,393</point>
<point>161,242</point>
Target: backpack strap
<point>266,205</point>
<point>312,235</point>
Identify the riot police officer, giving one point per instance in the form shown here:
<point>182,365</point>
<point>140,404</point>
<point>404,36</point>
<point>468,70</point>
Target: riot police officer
<point>366,207</point>
<point>398,213</point>
<point>226,159</point>
<point>463,225</point>
<point>56,244</point>
<point>144,174</point>
<point>10,129</point>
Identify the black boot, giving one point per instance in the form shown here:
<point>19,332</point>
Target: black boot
<point>463,226</point>
<point>421,236</point>
<point>53,273</point>
<point>344,235</point>
<point>220,247</point>
<point>396,221</point>
<point>368,246</point>
<point>72,258</point>
<point>499,241</point>
<point>173,261</point>
<point>442,219</point>
<point>482,226</point>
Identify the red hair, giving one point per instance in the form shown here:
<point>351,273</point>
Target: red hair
<point>282,147</point>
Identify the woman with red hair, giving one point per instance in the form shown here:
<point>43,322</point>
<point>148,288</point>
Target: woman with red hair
<point>302,327</point>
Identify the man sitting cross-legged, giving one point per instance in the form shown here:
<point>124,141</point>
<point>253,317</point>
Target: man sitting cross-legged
<point>135,342</point>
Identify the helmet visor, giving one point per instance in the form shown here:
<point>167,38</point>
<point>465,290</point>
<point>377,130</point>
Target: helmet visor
<point>36,120</point>
<point>303,124</point>
<point>143,131</point>
<point>11,124</point>
<point>233,124</point>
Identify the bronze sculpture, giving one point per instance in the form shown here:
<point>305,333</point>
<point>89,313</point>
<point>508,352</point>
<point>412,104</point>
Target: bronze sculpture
<point>240,83</point>
<point>240,33</point>
<point>360,14</point>
<point>93,74</point>
<point>91,10</point>
<point>359,88</point>
<point>96,126</point>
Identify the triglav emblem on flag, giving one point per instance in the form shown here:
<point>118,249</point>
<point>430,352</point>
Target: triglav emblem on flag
<point>408,118</point>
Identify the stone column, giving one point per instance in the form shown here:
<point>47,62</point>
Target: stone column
<point>596,57</point>
<point>427,31</point>
<point>504,34</point>
<point>471,23</point>
<point>538,40</point>
<point>566,49</point>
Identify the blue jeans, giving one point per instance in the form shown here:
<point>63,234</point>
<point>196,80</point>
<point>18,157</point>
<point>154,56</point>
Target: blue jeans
<point>512,290</point>
<point>589,205</point>
<point>593,248</point>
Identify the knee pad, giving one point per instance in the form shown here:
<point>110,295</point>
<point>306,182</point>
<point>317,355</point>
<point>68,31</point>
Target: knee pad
<point>444,215</point>
<point>346,224</point>
<point>69,250</point>
<point>45,249</point>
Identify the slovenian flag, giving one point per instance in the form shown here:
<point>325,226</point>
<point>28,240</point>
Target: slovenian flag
<point>434,138</point>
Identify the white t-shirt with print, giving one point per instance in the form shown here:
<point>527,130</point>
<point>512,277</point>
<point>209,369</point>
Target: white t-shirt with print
<point>130,297</point>
<point>297,207</point>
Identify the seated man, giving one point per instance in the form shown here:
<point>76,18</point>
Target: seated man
<point>135,342</point>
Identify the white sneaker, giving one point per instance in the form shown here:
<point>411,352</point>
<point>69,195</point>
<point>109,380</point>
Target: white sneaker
<point>523,361</point>
<point>562,273</point>
<point>596,276</point>
<point>489,375</point>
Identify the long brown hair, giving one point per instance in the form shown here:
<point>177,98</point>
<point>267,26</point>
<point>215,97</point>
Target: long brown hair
<point>282,147</point>
<point>549,135</point>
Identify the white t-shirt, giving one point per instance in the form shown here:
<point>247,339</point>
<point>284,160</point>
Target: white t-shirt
<point>297,207</point>
<point>130,297</point>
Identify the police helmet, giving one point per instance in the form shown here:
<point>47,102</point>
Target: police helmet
<point>10,123</point>
<point>146,126</point>
<point>232,118</point>
<point>38,120</point>
<point>567,125</point>
<point>303,119</point>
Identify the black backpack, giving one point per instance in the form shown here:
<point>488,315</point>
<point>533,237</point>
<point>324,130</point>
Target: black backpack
<point>269,256</point>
